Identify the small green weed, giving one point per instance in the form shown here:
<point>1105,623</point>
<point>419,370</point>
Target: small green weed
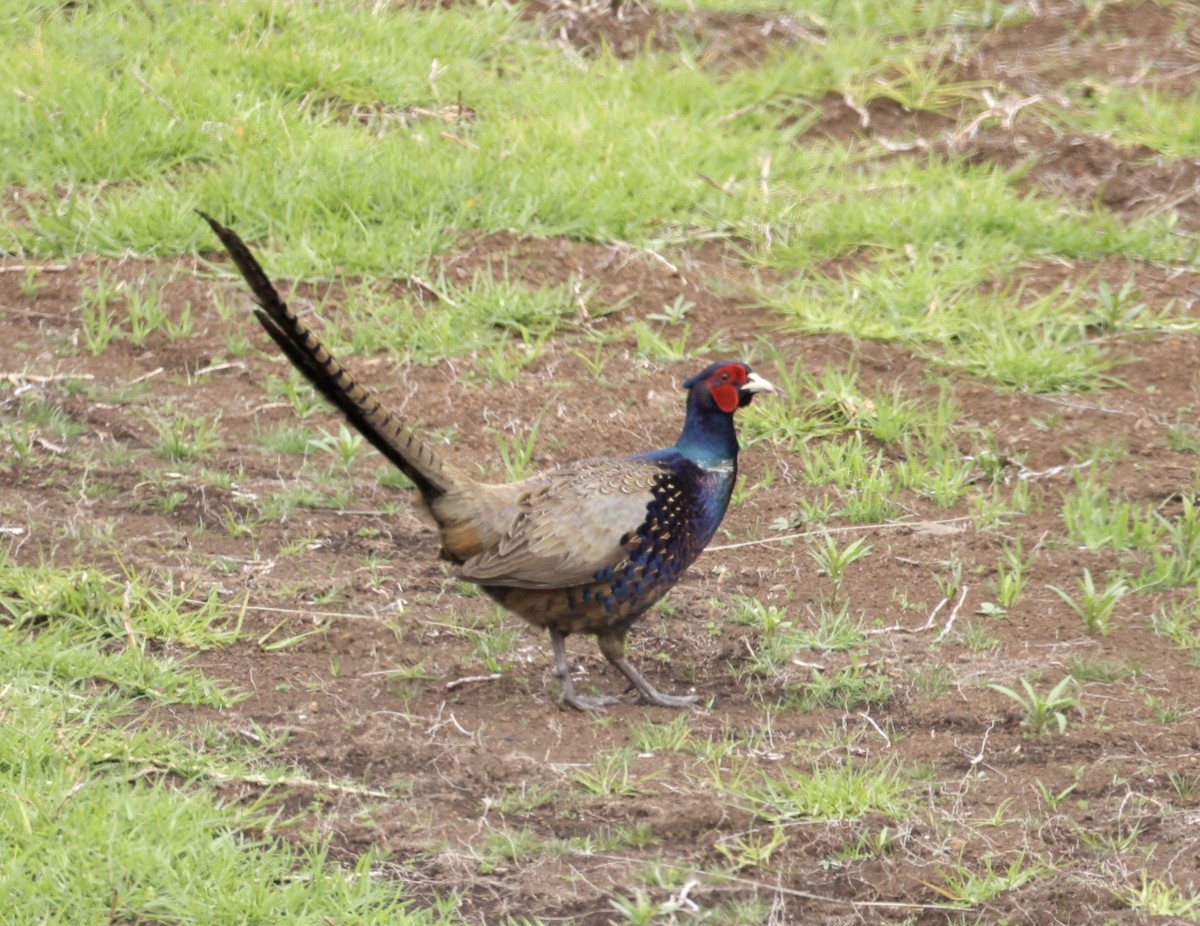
<point>849,688</point>
<point>1096,520</point>
<point>969,885</point>
<point>831,792</point>
<point>1044,713</point>
<point>98,322</point>
<point>612,774</point>
<point>517,453</point>
<point>1011,575</point>
<point>833,561</point>
<point>345,447</point>
<point>753,849</point>
<point>1155,897</point>
<point>1179,622</point>
<point>181,439</point>
<point>663,737</point>
<point>1095,606</point>
<point>1180,563</point>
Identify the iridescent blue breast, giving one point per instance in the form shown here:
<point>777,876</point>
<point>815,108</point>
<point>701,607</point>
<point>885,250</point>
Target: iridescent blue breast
<point>686,506</point>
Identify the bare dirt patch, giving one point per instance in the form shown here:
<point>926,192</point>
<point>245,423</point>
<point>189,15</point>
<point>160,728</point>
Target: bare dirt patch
<point>1021,72</point>
<point>625,29</point>
<point>1146,44</point>
<point>1129,43</point>
<point>1087,170</point>
<point>881,120</point>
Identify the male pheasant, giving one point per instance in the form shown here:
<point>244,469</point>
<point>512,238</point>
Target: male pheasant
<point>583,548</point>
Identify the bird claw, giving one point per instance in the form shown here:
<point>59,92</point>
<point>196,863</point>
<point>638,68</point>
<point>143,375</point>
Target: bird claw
<point>665,700</point>
<point>598,703</point>
<point>647,693</point>
<point>585,703</point>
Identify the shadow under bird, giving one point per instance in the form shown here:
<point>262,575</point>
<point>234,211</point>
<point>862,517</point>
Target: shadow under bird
<point>586,547</point>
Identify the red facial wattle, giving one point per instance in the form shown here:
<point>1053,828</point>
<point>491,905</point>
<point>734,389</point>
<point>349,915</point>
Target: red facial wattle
<point>726,397</point>
<point>724,387</point>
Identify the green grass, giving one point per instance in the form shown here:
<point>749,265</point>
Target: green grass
<point>781,642</point>
<point>974,885</point>
<point>1142,117</point>
<point>1098,521</point>
<point>64,624</point>
<point>1155,897</point>
<point>614,774</point>
<point>851,688</point>
<point>482,315</point>
<point>936,300</point>
<point>111,818</point>
<point>224,81</point>
<point>834,792</point>
<point>247,111</point>
<point>1179,622</point>
<point>370,163</point>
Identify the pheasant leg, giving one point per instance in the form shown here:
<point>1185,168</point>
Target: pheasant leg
<point>567,693</point>
<point>613,648</point>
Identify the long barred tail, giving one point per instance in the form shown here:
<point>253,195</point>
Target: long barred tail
<point>360,405</point>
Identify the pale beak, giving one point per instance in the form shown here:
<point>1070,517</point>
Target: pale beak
<point>755,383</point>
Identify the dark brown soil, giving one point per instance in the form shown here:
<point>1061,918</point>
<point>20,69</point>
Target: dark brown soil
<point>715,38</point>
<point>480,768</point>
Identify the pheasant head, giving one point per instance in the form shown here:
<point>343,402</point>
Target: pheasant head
<point>714,394</point>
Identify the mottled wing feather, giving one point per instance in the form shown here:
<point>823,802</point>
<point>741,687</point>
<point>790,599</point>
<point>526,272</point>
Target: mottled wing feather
<point>572,524</point>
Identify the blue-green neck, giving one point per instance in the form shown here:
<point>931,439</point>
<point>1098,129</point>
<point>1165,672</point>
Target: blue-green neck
<point>708,437</point>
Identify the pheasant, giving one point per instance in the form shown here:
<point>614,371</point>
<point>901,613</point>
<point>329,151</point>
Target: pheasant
<point>586,547</point>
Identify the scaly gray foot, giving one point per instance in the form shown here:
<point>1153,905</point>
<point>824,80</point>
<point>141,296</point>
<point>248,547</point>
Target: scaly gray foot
<point>647,693</point>
<point>653,696</point>
<point>585,702</point>
<point>567,693</point>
